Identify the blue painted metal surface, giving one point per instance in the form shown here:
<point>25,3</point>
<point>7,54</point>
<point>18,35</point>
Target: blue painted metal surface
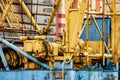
<point>60,65</point>
<point>69,75</point>
<point>97,75</point>
<point>24,53</point>
<point>94,73</point>
<point>93,33</point>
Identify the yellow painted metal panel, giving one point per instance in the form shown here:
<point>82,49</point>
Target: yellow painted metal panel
<point>75,24</point>
<point>117,34</point>
<point>96,46</point>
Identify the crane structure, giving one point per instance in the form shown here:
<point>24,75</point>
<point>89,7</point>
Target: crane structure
<point>72,58</point>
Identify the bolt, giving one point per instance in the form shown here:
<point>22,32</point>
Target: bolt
<point>67,60</point>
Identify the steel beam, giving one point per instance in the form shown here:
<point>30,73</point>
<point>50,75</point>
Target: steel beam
<point>34,23</point>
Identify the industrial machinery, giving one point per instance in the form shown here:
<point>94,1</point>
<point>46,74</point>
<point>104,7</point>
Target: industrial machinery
<point>72,58</point>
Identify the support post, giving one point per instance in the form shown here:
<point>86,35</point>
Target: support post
<point>103,47</point>
<point>113,35</point>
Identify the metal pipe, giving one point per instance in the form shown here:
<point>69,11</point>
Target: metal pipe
<point>82,29</point>
<point>98,55</point>
<point>24,53</point>
<point>113,32</point>
<point>56,5</point>
<point>8,37</point>
<point>5,12</point>
<point>3,59</point>
<point>29,15</point>
<point>87,25</point>
<point>103,19</point>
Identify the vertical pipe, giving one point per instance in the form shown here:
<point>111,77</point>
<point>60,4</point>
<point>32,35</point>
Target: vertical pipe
<point>103,19</point>
<point>51,74</point>
<point>87,27</point>
<point>5,12</point>
<point>63,72</point>
<point>113,36</point>
<point>67,22</point>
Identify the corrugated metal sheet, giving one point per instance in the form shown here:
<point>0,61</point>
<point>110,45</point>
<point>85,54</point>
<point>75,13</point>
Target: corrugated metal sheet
<point>93,33</point>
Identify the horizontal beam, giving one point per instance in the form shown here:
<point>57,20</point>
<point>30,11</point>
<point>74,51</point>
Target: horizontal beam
<point>100,13</point>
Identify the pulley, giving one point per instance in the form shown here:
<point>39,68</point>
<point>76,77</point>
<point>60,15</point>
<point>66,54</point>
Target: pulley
<point>13,58</point>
